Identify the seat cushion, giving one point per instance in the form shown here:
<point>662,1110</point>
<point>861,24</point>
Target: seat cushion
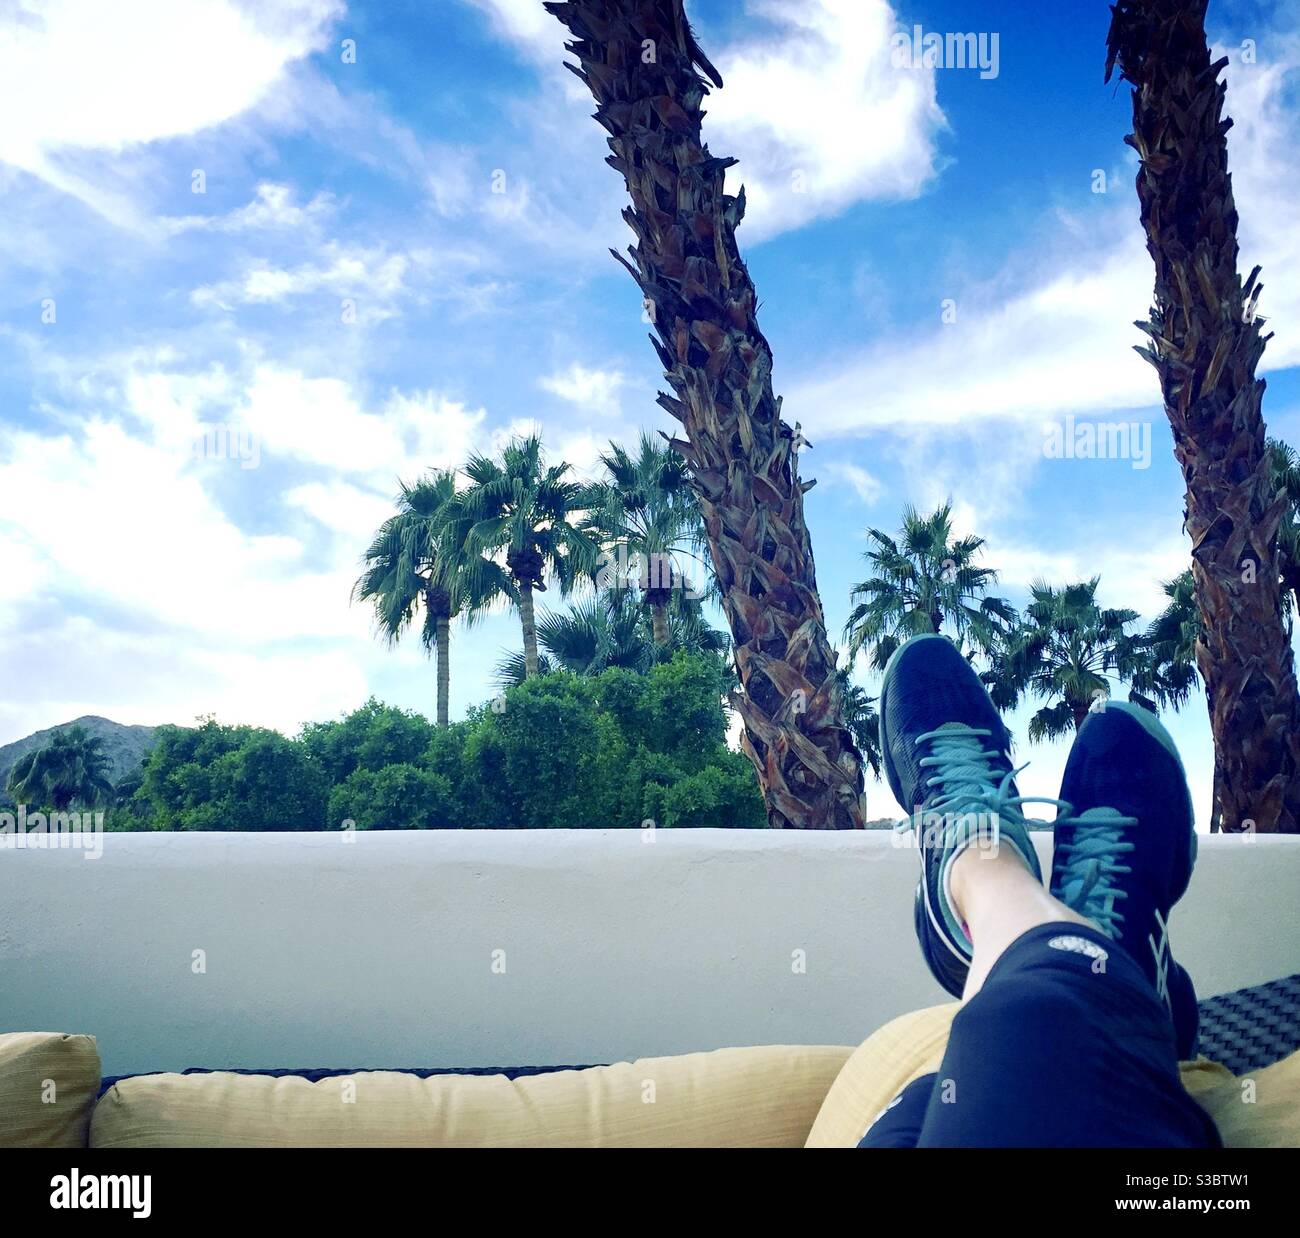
<point>48,1085</point>
<point>1258,1110</point>
<point>878,1069</point>
<point>751,1097</point>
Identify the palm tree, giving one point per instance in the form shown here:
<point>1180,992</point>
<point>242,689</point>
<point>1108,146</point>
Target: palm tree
<point>418,562</point>
<point>72,768</point>
<point>1284,468</point>
<point>601,632</point>
<point>526,511</point>
<point>648,76</point>
<point>862,719</point>
<point>1205,344</point>
<point>647,520</point>
<point>1168,672</point>
<point>1064,651</point>
<point>921,582</point>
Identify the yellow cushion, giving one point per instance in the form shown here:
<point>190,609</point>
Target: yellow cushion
<point>878,1069</point>
<point>753,1097</point>
<point>48,1084</point>
<point>1260,1110</point>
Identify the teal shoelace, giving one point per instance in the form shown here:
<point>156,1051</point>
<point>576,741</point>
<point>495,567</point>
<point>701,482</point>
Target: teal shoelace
<point>965,777</point>
<point>1089,865</point>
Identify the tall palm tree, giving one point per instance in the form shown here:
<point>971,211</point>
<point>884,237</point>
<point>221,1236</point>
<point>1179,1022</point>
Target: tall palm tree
<point>649,79</point>
<point>923,582</point>
<point>1205,346</point>
<point>528,513</point>
<point>648,522</point>
<point>1065,650</point>
<point>418,562</point>
<point>72,768</point>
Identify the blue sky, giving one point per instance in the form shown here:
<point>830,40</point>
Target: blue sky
<point>400,255</point>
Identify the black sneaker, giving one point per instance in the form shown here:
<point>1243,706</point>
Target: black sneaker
<point>1126,844</point>
<point>945,755</point>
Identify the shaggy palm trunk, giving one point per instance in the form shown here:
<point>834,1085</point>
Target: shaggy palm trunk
<point>659,620</point>
<point>1205,345</point>
<point>639,59</point>
<point>443,638</point>
<point>528,622</point>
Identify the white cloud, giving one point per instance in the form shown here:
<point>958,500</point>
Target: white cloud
<point>818,115</point>
<point>78,76</point>
<point>1262,102</point>
<point>526,24</point>
<point>320,421</point>
<point>141,532</point>
<point>594,390</point>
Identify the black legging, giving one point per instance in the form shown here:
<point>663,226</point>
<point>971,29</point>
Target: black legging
<point>1066,1045</point>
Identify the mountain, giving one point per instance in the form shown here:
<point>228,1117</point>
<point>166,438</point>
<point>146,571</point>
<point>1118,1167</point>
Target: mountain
<point>125,746</point>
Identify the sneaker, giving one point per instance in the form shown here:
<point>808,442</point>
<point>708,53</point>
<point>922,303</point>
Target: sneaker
<point>945,753</point>
<point>1126,844</point>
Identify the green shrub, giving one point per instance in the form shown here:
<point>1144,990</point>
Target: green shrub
<point>371,737</point>
<point>214,777</point>
<point>397,797</point>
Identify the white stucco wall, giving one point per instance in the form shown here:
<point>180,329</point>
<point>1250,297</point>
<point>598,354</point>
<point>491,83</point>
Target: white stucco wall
<point>380,952</point>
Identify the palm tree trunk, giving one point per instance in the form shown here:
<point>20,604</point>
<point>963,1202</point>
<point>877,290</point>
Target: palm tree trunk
<point>639,59</point>
<point>443,637</point>
<point>528,622</point>
<point>1205,344</point>
<point>659,622</point>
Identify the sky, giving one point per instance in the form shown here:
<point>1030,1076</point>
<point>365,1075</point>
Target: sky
<point>261,260</point>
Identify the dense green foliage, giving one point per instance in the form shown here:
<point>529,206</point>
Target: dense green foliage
<point>214,777</point>
<point>619,748</point>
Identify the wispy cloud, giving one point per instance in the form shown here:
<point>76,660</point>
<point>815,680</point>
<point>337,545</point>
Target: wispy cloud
<point>867,487</point>
<point>274,207</point>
